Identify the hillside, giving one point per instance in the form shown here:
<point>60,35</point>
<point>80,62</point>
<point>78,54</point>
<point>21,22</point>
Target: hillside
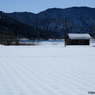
<point>79,19</point>
<point>12,26</point>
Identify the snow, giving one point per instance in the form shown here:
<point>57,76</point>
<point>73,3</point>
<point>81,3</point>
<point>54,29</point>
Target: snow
<point>79,36</point>
<point>47,69</point>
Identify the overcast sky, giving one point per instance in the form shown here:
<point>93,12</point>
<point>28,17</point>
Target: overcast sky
<point>36,6</point>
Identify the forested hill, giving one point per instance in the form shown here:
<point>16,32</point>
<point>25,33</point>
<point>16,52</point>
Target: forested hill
<point>10,26</point>
<point>79,19</point>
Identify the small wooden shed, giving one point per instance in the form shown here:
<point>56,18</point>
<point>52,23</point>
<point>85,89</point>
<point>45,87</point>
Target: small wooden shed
<point>78,39</point>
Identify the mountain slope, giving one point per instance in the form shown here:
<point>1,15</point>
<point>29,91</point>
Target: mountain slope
<point>9,25</point>
<point>25,17</point>
<point>79,19</point>
<point>12,26</point>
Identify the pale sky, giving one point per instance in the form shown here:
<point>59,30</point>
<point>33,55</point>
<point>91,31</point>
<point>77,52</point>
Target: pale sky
<point>36,6</point>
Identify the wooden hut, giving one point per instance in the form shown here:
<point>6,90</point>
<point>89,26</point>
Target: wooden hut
<point>78,39</point>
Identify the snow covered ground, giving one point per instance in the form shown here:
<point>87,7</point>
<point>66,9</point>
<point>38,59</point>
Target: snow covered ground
<point>47,69</point>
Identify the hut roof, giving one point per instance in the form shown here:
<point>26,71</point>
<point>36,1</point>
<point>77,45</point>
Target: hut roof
<point>78,36</point>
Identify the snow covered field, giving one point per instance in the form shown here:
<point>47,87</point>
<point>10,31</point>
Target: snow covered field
<point>47,69</point>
